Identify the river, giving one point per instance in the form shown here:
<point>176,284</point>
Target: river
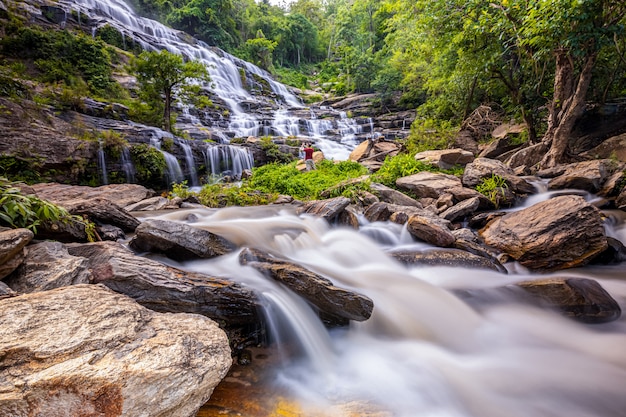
<point>424,352</point>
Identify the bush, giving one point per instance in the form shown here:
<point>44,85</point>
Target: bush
<point>26,211</point>
<point>493,188</point>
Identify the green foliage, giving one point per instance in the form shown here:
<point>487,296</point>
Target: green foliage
<point>149,164</point>
<point>259,51</point>
<point>273,152</point>
<point>27,211</point>
<point>61,56</point>
<point>493,188</point>
<point>292,77</point>
<point>398,167</point>
<point>430,135</point>
<point>163,77</point>
<point>24,169</point>
<point>113,143</point>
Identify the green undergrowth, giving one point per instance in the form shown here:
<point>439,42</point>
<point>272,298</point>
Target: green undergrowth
<point>269,181</point>
<point>493,188</point>
<point>404,165</point>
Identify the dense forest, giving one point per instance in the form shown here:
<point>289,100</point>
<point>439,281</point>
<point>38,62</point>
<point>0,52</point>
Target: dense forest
<point>540,61</point>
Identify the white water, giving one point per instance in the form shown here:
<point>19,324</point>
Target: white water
<point>424,352</point>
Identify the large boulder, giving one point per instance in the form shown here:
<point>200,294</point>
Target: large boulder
<point>166,289</point>
<point>582,299</point>
<point>12,249</point>
<point>389,195</point>
<point>178,240</point>
<point>559,233</point>
<point>317,290</point>
<point>102,211</point>
<point>48,265</point>
<point>86,351</point>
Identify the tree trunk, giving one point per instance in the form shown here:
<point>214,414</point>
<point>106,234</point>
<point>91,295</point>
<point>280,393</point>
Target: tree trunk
<point>167,111</point>
<point>568,104</point>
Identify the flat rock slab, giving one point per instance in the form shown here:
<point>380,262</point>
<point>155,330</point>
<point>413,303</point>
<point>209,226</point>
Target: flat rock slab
<point>120,194</point>
<point>447,257</point>
<point>87,351</point>
<point>12,249</point>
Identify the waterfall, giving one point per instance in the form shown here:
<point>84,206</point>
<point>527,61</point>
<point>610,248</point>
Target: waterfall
<point>191,164</point>
<point>102,165</point>
<point>174,173</point>
<point>285,125</point>
<point>228,160</point>
<point>127,165</point>
<point>424,351</point>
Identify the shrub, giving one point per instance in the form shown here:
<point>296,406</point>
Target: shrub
<point>26,211</point>
<point>493,188</point>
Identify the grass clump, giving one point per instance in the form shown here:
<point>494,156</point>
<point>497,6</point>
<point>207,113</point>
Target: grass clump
<point>404,165</point>
<point>494,188</point>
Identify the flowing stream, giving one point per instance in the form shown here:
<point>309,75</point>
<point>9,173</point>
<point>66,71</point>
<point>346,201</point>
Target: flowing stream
<point>424,352</point>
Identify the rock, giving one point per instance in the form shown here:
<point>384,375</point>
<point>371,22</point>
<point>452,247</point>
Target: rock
<point>108,232</point>
<point>447,158</point>
<point>151,204</point>
<point>465,140</point>
<point>468,241</point>
<point>178,240</point>
<point>72,230</point>
<point>120,194</point>
<point>349,217</point>
<point>620,201</point>
<point>529,156</point>
<point>614,147</point>
<point>48,265</point>
<point>587,175</point>
<point>12,249</point>
<point>102,211</point>
<point>361,151</point>
<point>314,288</point>
<point>389,195</point>
<point>461,209</point>
<point>86,351</point>
<point>497,147</point>
<point>166,289</point>
<point>612,184</point>
<point>579,298</point>
<point>431,229</point>
<point>327,209</point>
<point>447,257</point>
<point>382,212</point>
<point>6,291</point>
<point>615,253</point>
<point>505,129</point>
<point>483,168</point>
<point>559,233</point>
<point>428,184</point>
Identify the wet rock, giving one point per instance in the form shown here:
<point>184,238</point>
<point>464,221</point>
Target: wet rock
<point>327,209</point>
<point>447,257</point>
<point>178,240</point>
<point>13,249</point>
<point>167,289</point>
<point>382,212</point>
<point>468,241</point>
<point>447,158</point>
<point>428,184</point>
<point>389,195</point>
<point>559,233</point>
<point>84,350</point>
<point>620,201</point>
<point>314,288</point>
<point>48,265</point>
<point>109,232</point>
<point>579,298</point>
<point>431,229</point>
<point>349,217</point>
<point>153,204</point>
<point>615,253</point>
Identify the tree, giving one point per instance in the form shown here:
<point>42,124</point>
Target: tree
<point>164,76</point>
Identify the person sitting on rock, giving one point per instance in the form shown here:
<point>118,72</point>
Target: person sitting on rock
<point>308,157</point>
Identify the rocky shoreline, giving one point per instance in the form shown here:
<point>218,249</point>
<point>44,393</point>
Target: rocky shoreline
<point>58,289</point>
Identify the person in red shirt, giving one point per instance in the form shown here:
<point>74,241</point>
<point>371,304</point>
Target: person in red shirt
<point>308,157</point>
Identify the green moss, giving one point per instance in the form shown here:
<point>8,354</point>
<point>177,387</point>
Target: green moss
<point>149,165</point>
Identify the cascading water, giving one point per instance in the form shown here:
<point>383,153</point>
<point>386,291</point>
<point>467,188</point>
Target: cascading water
<point>191,164</point>
<point>102,164</point>
<point>424,352</point>
<point>127,165</point>
<point>227,159</point>
<point>174,172</point>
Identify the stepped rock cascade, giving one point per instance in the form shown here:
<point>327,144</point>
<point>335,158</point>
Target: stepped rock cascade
<point>245,105</point>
